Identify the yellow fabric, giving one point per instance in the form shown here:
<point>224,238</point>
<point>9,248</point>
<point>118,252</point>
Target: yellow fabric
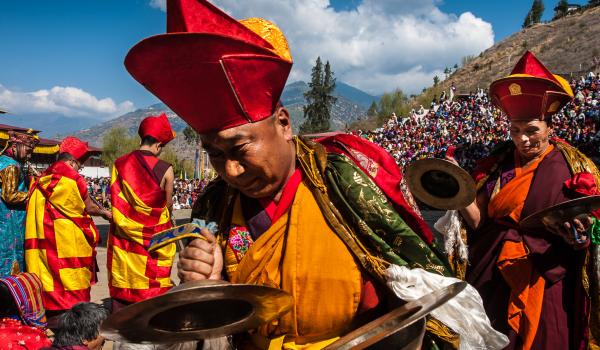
<point>272,34</point>
<point>42,149</point>
<point>279,343</point>
<point>300,254</point>
<point>128,269</point>
<point>70,239</point>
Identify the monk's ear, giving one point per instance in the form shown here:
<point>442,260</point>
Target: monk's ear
<point>284,123</point>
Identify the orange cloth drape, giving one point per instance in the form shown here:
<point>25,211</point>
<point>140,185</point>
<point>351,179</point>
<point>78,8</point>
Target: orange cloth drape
<point>300,254</point>
<point>526,290</point>
<point>526,284</point>
<point>509,201</point>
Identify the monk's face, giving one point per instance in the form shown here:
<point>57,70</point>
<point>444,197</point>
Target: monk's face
<point>255,158</point>
<point>531,137</point>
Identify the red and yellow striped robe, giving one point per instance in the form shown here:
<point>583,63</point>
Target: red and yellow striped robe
<point>139,211</point>
<point>60,237</point>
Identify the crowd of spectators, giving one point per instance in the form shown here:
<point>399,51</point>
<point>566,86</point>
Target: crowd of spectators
<point>185,191</point>
<point>472,125</point>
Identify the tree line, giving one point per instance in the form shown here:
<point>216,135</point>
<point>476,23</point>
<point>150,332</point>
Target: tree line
<point>117,142</point>
<point>561,9</point>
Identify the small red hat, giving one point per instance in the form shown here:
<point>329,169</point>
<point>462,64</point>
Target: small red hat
<point>157,127</point>
<point>75,147</point>
<point>530,91</point>
<point>213,71</point>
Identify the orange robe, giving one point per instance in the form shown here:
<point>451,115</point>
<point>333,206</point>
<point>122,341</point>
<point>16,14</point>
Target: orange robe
<point>300,254</point>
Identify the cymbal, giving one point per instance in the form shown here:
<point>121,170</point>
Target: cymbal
<point>559,213</point>
<point>397,320</point>
<point>197,310</point>
<point>440,183</point>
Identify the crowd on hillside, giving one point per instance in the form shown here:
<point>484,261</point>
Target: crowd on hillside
<point>474,126</point>
<point>185,191</point>
<point>470,123</point>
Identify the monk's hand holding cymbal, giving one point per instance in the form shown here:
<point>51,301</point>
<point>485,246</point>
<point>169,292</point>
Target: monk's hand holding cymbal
<point>574,231</point>
<point>201,259</point>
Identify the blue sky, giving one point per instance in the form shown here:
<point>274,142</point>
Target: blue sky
<point>78,48</point>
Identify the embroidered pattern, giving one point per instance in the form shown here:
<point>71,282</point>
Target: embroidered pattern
<point>239,241</point>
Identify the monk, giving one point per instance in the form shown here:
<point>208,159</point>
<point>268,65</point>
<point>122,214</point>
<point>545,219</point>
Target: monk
<point>141,190</point>
<point>60,235</point>
<point>537,285</point>
<point>308,218</point>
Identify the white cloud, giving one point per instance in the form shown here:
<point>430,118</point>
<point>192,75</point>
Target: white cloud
<point>380,46</point>
<point>159,4</point>
<point>68,101</point>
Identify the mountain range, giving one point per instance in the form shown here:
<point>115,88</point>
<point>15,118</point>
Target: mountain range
<point>352,104</point>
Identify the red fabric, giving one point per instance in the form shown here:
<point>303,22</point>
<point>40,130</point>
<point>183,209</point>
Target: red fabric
<point>62,169</point>
<point>530,92</point>
<point>26,290</point>
<point>288,194</point>
<point>133,169</point>
<point>582,184</point>
<point>75,147</point>
<point>483,168</point>
<point>61,298</point>
<point>529,64</point>
<point>200,16</point>
<point>383,170</point>
<point>209,68</point>
<point>275,209</point>
<point>157,127</point>
<point>15,335</point>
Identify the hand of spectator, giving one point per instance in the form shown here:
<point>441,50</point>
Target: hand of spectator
<point>201,259</point>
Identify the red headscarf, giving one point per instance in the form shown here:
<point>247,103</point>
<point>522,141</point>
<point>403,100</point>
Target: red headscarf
<point>158,127</point>
<point>75,147</point>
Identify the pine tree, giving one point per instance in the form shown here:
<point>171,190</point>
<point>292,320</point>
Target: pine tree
<point>535,14</point>
<point>372,111</point>
<point>561,9</point>
<point>539,11</point>
<point>592,3</point>
<point>319,99</point>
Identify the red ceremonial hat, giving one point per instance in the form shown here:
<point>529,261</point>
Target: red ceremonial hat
<point>530,91</point>
<point>75,147</point>
<point>157,127</point>
<point>213,71</point>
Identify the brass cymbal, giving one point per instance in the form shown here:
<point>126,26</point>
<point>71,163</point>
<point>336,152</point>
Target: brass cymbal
<point>559,213</point>
<point>197,310</point>
<point>397,320</point>
<point>440,183</point>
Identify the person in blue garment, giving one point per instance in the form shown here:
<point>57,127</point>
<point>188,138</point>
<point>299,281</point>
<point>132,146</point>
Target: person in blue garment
<point>13,197</point>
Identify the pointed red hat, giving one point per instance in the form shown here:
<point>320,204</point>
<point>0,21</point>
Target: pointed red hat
<point>75,147</point>
<point>213,71</point>
<point>530,91</point>
<point>157,127</point>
